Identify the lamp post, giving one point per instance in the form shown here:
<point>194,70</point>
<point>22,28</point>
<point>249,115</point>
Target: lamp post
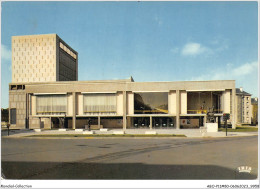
<point>242,109</point>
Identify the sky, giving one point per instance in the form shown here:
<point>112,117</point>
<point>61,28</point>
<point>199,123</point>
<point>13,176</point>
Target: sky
<point>150,41</point>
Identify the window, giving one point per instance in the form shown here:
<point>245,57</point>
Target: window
<point>99,104</point>
<point>151,103</point>
<point>13,115</point>
<point>51,104</point>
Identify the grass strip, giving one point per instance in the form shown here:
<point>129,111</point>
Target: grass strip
<point>239,129</point>
<point>106,135</point>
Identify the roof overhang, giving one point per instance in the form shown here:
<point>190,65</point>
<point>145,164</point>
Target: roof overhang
<point>36,94</point>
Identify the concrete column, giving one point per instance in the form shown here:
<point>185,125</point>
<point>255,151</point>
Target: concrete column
<point>204,121</point>
<point>124,110</point>
<point>40,123</point>
<point>227,101</point>
<point>151,122</point>
<point>51,123</point>
<point>177,109</point>
<point>233,108</point>
<point>129,121</point>
<point>74,111</point>
<point>183,102</point>
<point>98,121</point>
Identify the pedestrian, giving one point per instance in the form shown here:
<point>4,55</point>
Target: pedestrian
<point>8,126</point>
<point>89,124</point>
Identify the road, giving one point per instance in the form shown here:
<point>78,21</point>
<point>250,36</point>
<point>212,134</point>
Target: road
<point>176,158</point>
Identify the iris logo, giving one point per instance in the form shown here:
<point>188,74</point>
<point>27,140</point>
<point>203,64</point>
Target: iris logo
<point>244,169</point>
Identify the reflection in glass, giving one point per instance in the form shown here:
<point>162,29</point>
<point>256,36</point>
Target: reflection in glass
<point>151,103</point>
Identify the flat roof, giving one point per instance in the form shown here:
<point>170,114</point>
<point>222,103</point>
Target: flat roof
<point>115,81</point>
<point>125,85</point>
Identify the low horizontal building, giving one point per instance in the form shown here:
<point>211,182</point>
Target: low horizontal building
<point>119,103</point>
<point>45,93</point>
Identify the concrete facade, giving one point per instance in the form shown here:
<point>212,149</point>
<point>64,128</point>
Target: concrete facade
<point>179,101</point>
<point>43,58</point>
<point>17,102</point>
<point>37,100</point>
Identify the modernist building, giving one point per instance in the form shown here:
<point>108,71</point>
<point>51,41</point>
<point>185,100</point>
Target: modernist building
<point>39,101</point>
<point>43,58</point>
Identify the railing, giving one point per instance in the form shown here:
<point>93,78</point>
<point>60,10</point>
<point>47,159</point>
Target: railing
<point>216,111</point>
<point>100,111</point>
<point>50,112</point>
<point>197,111</point>
<point>158,111</point>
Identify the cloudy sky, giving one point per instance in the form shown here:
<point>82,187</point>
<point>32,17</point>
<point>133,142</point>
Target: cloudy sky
<point>151,41</point>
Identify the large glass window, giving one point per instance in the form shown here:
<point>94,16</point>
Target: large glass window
<point>99,104</point>
<point>151,103</point>
<point>204,101</point>
<point>51,104</point>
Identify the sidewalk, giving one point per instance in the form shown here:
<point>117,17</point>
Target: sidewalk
<point>186,132</point>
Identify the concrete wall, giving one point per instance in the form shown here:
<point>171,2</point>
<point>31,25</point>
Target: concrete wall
<point>45,123</point>
<point>70,105</point>
<point>40,58</point>
<point>227,101</point>
<point>34,122</point>
<point>33,105</point>
<point>119,103</point>
<point>108,86</point>
<point>80,104</point>
<point>130,103</point>
<point>34,58</point>
<point>190,123</point>
<point>112,86</point>
<point>17,100</point>
<point>183,96</point>
<point>172,102</point>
